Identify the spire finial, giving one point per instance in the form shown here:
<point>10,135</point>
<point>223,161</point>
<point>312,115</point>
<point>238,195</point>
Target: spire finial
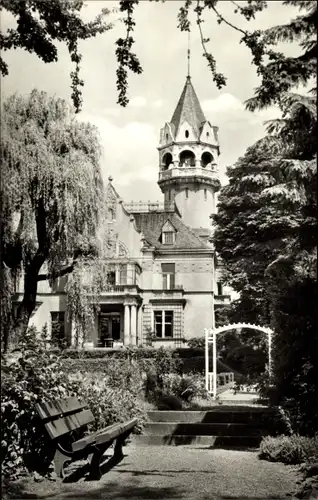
<point>189,53</point>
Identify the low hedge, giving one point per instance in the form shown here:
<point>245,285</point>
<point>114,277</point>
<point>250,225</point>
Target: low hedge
<point>109,353</point>
<point>100,364</point>
<point>294,449</point>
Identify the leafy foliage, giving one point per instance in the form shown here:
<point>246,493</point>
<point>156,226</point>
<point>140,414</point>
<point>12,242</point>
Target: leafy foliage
<point>51,196</point>
<point>266,236</point>
<point>185,387</point>
<point>35,373</point>
<point>293,449</point>
<point>125,57</point>
<point>309,483</point>
<point>31,375</point>
<point>279,73</point>
<point>245,352</point>
<point>42,23</point>
<point>113,397</point>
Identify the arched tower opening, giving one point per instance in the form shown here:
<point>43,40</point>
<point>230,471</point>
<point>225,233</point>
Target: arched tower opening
<point>166,160</point>
<point>187,159</point>
<point>206,159</point>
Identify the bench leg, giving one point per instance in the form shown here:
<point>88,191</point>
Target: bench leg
<point>120,441</point>
<point>60,462</point>
<point>95,472</point>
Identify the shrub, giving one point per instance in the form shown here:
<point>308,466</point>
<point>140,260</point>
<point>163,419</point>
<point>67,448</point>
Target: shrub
<point>196,343</point>
<point>29,375</point>
<point>110,403</point>
<point>308,486</point>
<point>295,368</point>
<point>169,403</point>
<point>34,374</point>
<point>184,387</point>
<point>292,449</point>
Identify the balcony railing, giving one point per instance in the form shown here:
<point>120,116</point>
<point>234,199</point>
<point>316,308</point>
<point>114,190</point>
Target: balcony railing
<point>188,172</point>
<point>119,289</point>
<point>147,206</point>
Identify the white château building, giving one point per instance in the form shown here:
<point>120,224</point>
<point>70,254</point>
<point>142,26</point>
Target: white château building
<point>163,283</point>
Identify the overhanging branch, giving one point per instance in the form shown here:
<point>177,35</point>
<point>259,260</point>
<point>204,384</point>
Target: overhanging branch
<point>58,274</point>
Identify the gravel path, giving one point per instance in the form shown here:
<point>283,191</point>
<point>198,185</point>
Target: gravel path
<point>181,473</point>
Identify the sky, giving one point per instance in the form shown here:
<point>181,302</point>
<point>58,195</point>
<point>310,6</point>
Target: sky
<point>130,136</point>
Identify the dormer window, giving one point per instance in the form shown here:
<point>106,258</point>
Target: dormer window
<point>168,237</point>
<point>168,234</point>
<point>187,134</point>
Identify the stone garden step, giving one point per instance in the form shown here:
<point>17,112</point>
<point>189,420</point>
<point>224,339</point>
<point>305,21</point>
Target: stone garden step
<point>227,426</point>
<point>199,441</point>
<point>200,429</point>
<point>211,416</point>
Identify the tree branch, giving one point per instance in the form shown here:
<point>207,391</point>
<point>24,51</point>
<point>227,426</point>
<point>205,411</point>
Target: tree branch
<point>218,78</point>
<point>228,22</point>
<point>58,274</point>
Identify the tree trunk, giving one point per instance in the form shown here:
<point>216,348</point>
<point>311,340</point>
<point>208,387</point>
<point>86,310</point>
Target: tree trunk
<point>28,303</point>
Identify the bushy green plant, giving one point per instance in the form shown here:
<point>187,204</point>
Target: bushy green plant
<point>34,374</point>
<point>164,362</point>
<point>196,343</point>
<point>292,449</point>
<point>308,485</point>
<point>186,387</point>
<point>111,402</point>
<point>29,375</point>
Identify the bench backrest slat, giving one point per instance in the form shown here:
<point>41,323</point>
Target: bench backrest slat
<point>59,407</point>
<point>64,425</point>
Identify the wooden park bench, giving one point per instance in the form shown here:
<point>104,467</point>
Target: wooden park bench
<point>64,418</point>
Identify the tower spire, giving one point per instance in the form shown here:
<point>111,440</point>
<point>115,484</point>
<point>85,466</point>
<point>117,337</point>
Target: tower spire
<point>189,53</point>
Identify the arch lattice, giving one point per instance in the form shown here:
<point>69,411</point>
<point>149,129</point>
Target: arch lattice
<point>251,326</point>
<point>210,336</point>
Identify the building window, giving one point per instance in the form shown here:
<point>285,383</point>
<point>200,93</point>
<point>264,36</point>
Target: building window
<point>111,277</point>
<point>167,137</point>
<point>205,194</point>
<point>163,324</point>
<point>168,237</point>
<point>187,134</point>
<point>58,325</point>
<point>166,160</point>
<point>206,159</point>
<point>169,195</point>
<point>111,214</point>
<point>187,193</point>
<point>220,288</point>
<point>187,159</point>
<point>123,274</point>
<point>208,134</point>
<point>168,276</point>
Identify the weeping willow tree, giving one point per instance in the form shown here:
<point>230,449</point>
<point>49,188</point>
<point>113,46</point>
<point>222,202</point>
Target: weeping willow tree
<point>51,202</point>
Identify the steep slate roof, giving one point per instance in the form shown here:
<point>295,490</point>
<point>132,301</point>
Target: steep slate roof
<point>150,223</point>
<point>188,109</point>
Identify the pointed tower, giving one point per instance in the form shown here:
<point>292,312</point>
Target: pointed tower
<point>188,160</point>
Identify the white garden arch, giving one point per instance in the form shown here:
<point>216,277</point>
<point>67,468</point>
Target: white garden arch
<point>210,338</point>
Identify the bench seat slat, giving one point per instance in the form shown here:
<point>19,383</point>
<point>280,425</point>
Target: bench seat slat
<point>104,435</point>
<point>58,407</point>
<point>61,426</point>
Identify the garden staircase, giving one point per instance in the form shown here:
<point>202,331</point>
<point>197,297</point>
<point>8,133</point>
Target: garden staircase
<point>219,426</point>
